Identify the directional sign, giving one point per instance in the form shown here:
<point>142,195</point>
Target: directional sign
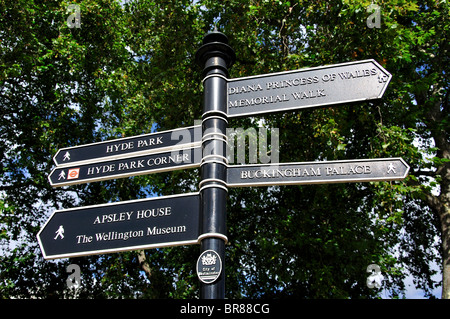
<point>384,169</point>
<point>129,225</point>
<point>120,168</point>
<point>129,146</point>
<point>320,86</point>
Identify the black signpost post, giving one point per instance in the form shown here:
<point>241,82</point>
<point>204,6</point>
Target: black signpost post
<point>201,217</point>
<point>215,56</point>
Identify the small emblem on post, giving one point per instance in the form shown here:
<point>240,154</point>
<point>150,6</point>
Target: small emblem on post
<point>209,266</point>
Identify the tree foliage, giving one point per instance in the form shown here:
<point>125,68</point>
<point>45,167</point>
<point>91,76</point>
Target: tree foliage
<point>130,69</point>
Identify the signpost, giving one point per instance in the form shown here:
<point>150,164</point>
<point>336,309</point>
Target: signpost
<point>383,169</point>
<point>313,87</point>
<point>215,56</point>
<point>130,146</point>
<point>201,217</point>
<point>126,167</point>
<point>129,225</point>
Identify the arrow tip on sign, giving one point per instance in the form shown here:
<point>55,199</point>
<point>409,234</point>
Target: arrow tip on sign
<point>56,156</point>
<point>41,246</point>
<point>384,77</point>
<point>49,177</point>
<point>406,165</point>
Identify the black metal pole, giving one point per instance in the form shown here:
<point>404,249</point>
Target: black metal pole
<point>215,55</point>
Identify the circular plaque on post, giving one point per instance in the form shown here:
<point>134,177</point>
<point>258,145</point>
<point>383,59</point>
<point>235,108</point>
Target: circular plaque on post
<point>209,266</point>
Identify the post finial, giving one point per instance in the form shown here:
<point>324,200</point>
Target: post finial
<point>215,43</point>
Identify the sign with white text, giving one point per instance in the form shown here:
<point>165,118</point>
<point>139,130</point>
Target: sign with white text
<point>121,168</point>
<point>129,225</point>
<point>371,170</point>
<point>130,146</point>
<point>312,87</point>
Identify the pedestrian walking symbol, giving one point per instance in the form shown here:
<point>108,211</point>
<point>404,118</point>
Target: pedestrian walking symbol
<point>391,168</point>
<point>59,232</point>
<point>66,156</point>
<point>62,175</point>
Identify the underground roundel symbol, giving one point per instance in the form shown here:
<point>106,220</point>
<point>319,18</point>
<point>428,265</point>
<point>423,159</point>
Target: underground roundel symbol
<point>73,173</point>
